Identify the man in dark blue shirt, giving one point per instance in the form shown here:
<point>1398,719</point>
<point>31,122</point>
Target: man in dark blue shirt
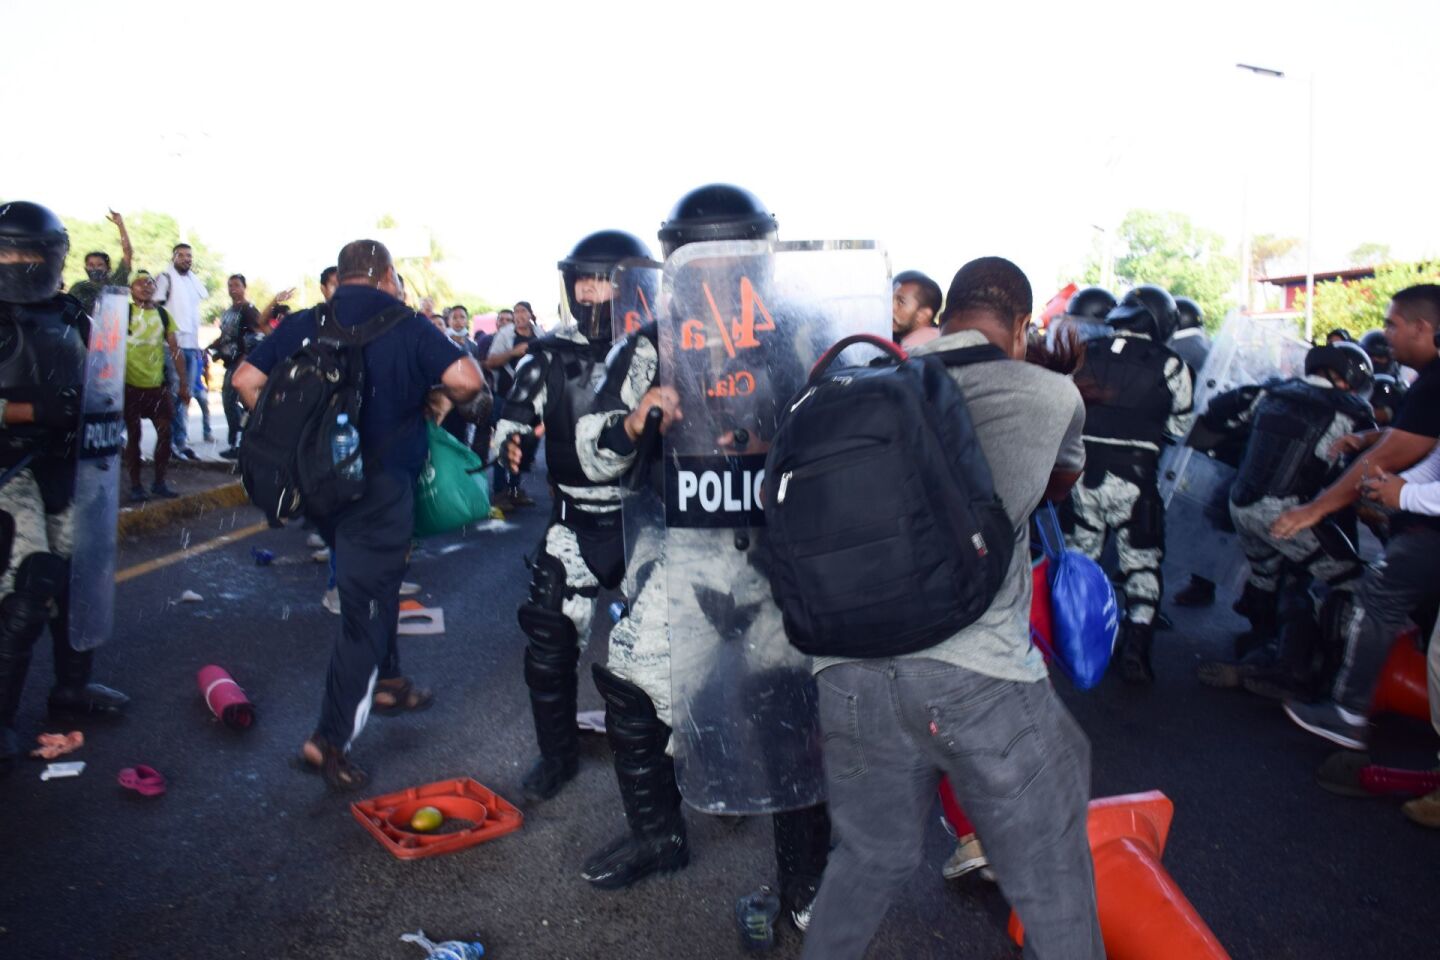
<point>371,537</point>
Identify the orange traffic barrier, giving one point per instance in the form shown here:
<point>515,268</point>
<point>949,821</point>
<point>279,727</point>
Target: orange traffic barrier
<point>1401,688</point>
<point>1143,913</point>
<point>473,814</point>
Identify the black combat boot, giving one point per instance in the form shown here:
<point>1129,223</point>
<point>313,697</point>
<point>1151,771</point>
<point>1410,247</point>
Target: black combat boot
<point>1260,607</point>
<point>1135,642</point>
<point>22,618</point>
<point>802,847</point>
<point>73,694</point>
<point>551,659</point>
<point>655,842</point>
<point>553,704</point>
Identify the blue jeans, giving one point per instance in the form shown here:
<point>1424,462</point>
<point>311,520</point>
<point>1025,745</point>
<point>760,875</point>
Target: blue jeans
<point>180,429</point>
<point>1019,765</point>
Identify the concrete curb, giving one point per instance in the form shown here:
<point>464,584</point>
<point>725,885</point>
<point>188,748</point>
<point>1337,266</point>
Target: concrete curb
<point>156,514</point>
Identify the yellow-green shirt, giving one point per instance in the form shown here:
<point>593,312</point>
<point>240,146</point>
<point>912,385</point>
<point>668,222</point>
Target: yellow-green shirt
<point>145,348</point>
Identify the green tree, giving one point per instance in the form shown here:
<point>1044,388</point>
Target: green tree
<point>1265,249</point>
<point>1369,254</point>
<point>1165,248</point>
<point>1359,305</point>
<point>153,235</point>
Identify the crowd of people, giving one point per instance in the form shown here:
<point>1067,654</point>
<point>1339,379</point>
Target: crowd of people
<point>1102,398</point>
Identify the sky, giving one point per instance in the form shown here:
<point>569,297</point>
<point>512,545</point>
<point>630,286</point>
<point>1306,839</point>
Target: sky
<point>946,131</point>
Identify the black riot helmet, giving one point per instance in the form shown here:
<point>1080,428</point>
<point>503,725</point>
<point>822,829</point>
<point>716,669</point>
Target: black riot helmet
<point>716,211</point>
<point>1191,316</point>
<point>1147,309</point>
<point>33,245</point>
<point>596,256</point>
<point>1375,344</point>
<point>1345,360</point>
<point>1385,397</point>
<point>1092,303</point>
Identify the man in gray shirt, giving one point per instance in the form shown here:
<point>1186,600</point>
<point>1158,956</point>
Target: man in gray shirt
<point>977,707</point>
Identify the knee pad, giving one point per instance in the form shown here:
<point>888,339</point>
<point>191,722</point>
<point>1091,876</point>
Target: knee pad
<point>22,618</point>
<point>552,653</point>
<point>1147,522</point>
<point>45,575</point>
<point>636,733</point>
<point>547,582</point>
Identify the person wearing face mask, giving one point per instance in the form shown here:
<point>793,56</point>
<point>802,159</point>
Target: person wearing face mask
<point>97,268</point>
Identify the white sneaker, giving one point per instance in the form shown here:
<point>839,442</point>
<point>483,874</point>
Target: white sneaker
<point>408,589</point>
<point>314,541</point>
<point>331,600</point>
<point>321,556</point>
<point>968,856</point>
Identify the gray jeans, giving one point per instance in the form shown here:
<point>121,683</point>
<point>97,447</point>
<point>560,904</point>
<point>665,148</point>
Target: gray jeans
<point>1409,578</point>
<point>1019,765</point>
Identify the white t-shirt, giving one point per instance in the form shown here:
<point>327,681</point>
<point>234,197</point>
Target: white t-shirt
<point>1421,493</point>
<point>182,294</point>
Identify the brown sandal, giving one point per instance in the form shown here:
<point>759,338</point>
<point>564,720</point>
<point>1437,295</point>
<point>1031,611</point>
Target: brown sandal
<point>340,774</point>
<point>402,697</point>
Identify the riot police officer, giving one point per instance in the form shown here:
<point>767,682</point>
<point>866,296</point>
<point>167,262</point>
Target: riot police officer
<point>42,373</point>
<point>1138,394</point>
<point>1292,425</point>
<point>1189,340</point>
<point>636,681</point>
<point>1085,313</point>
<point>583,546</point>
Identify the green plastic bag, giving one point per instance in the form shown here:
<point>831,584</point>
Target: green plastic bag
<point>453,489</point>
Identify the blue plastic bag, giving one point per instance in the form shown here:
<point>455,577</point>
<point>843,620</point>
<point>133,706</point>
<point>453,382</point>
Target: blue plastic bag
<point>1085,615</point>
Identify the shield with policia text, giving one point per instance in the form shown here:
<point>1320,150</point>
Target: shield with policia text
<point>97,478</point>
<point>742,323</point>
<point>1195,484</point>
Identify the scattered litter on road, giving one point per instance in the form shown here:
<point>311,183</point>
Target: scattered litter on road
<point>262,557</point>
<point>590,721</point>
<point>54,745</point>
<point>144,780</point>
<point>449,950</point>
<point>54,771</point>
<point>472,814</point>
<point>420,621</point>
<point>225,698</point>
<point>190,596</point>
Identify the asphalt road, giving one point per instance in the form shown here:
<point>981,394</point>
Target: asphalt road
<point>246,857</point>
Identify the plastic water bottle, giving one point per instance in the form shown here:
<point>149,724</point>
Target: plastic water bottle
<point>449,950</point>
<point>756,914</point>
<point>344,442</point>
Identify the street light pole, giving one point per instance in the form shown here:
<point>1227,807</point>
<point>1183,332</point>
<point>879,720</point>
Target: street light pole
<point>1310,220</point>
<point>1245,248</point>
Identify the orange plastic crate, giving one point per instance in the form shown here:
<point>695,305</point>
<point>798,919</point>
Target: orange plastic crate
<point>388,818</point>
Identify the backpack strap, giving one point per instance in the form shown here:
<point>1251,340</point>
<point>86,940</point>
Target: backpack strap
<point>386,320</point>
<point>887,347</point>
<point>965,356</point>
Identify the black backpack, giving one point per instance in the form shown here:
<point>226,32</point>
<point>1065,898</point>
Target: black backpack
<point>286,462</point>
<point>884,535</point>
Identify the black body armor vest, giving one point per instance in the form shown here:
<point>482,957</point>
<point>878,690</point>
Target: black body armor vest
<point>42,354</point>
<point>1289,422</point>
<point>1128,376</point>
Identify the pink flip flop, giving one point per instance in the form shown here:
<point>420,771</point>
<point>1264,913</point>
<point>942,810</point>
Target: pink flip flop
<point>146,781</point>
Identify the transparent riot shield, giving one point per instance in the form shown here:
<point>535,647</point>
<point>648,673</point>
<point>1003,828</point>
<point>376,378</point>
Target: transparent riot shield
<point>1194,485</point>
<point>636,292</point>
<point>97,480</point>
<point>742,324</point>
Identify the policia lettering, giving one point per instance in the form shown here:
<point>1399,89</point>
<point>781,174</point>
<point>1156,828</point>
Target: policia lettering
<point>636,681</point>
<point>1137,392</point>
<point>42,372</point>
<point>582,549</point>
